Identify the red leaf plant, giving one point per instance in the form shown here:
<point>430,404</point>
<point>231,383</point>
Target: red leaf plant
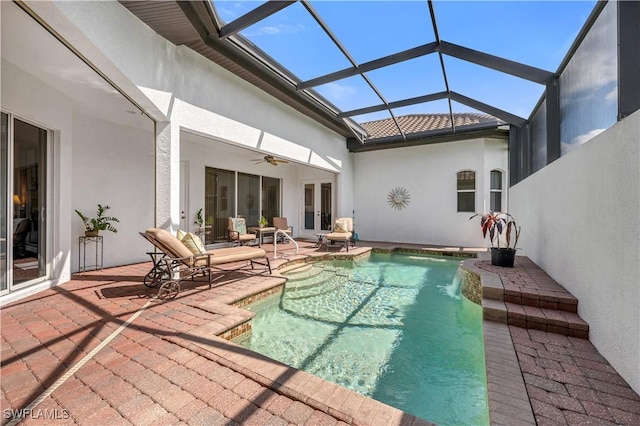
<point>494,223</point>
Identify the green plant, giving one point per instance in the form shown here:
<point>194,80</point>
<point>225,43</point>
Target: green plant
<point>100,222</point>
<point>496,224</point>
<point>199,218</point>
<point>263,221</point>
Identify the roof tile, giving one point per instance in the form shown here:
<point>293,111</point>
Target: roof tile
<point>415,123</point>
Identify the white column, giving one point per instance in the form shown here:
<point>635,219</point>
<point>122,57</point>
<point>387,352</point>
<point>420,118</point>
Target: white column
<point>167,185</point>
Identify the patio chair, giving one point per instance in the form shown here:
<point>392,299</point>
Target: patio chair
<point>280,224</point>
<point>238,234</point>
<point>21,230</point>
<point>342,232</point>
<point>179,262</point>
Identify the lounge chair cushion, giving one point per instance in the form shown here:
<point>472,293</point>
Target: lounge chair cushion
<point>233,254</point>
<point>173,245</point>
<point>193,243</point>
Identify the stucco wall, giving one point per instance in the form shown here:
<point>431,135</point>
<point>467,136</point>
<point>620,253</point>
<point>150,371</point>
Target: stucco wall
<point>580,223</point>
<point>113,165</point>
<point>428,172</point>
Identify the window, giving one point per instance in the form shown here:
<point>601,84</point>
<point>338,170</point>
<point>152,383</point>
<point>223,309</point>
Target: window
<point>495,195</point>
<point>466,191</point>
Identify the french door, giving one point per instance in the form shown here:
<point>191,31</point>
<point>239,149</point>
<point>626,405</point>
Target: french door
<point>317,209</point>
<point>24,150</point>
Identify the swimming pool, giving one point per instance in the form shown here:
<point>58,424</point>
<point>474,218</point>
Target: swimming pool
<point>392,327</point>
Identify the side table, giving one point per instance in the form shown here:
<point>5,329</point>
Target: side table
<point>261,232</point>
<point>82,253</point>
<point>321,239</point>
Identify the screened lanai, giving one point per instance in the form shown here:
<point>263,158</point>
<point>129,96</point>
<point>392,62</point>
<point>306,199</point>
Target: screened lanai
<point>359,66</point>
<point>362,100</point>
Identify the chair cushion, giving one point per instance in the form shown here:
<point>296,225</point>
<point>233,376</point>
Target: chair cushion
<point>338,236</point>
<point>193,243</point>
<point>341,225</point>
<point>239,225</point>
<point>247,237</point>
<point>180,234</point>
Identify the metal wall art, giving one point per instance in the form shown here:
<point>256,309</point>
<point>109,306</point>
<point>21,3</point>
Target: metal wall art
<point>398,198</point>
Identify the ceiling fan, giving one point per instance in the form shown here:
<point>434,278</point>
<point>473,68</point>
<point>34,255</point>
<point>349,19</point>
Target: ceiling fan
<point>270,159</point>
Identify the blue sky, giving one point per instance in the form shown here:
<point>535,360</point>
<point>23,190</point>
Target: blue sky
<point>535,33</point>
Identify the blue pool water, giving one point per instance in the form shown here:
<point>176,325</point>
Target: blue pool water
<point>392,327</point>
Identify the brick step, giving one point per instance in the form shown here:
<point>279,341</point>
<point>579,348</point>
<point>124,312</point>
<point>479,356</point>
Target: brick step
<point>551,320</point>
<point>541,298</point>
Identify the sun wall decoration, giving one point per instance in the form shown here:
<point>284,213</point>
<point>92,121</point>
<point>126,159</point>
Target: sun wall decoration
<point>398,198</point>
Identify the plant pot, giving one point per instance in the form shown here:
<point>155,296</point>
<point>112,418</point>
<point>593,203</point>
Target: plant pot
<point>503,257</point>
<point>93,233</point>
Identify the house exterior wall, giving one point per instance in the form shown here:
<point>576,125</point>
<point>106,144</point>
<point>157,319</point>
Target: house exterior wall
<point>580,223</point>
<point>199,96</point>
<point>113,165</point>
<point>428,172</point>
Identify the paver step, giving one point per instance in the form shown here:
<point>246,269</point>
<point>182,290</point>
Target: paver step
<point>541,298</point>
<point>551,320</point>
<point>530,317</point>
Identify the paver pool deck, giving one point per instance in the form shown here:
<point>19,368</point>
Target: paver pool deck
<point>101,350</point>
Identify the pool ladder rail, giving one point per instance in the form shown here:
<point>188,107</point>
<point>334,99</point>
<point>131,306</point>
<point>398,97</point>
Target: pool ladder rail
<point>275,243</point>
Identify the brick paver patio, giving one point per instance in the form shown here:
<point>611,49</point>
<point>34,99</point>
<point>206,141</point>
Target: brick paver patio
<point>65,356</point>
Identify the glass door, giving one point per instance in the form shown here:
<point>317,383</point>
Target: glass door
<point>4,204</point>
<point>23,188</point>
<point>317,208</point>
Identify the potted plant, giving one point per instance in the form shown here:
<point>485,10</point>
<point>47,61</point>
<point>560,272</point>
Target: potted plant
<point>199,220</point>
<point>262,222</point>
<point>502,230</point>
<point>93,226</point>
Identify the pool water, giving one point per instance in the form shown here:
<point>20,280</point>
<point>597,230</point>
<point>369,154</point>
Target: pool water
<point>391,327</point>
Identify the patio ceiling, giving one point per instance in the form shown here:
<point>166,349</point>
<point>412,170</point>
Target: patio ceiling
<point>347,64</point>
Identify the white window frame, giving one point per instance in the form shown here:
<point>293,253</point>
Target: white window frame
<point>459,191</point>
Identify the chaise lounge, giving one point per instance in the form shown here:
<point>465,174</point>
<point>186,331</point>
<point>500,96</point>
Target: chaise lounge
<point>342,232</point>
<point>186,258</point>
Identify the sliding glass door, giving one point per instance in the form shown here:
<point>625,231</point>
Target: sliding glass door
<point>234,194</point>
<point>249,198</point>
<point>270,198</point>
<point>4,204</point>
<point>23,190</point>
